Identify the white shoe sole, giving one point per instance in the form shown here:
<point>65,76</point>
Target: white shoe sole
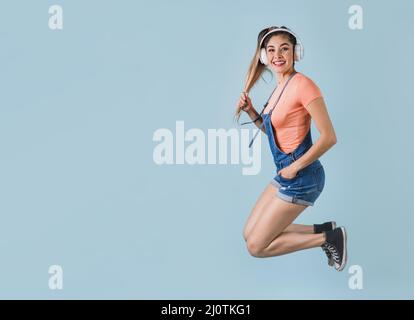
<point>331,263</point>
<point>345,255</point>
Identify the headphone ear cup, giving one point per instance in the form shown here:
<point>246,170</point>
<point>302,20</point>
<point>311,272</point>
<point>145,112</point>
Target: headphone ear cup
<point>263,57</point>
<point>298,52</point>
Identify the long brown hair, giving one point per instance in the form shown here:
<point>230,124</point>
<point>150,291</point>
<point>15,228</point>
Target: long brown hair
<point>256,68</point>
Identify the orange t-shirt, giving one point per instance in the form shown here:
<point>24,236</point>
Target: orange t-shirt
<point>290,117</point>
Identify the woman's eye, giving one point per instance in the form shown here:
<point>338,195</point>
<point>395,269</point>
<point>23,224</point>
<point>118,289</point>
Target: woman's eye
<point>285,49</point>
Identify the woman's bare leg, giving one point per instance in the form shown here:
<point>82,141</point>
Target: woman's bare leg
<point>299,228</point>
<point>265,198</point>
<point>268,237</point>
<point>288,242</point>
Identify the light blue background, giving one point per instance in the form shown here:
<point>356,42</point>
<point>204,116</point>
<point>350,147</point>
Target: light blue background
<point>79,187</point>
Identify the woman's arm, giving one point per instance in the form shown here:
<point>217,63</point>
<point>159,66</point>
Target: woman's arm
<point>317,110</point>
<point>253,114</point>
<point>246,105</point>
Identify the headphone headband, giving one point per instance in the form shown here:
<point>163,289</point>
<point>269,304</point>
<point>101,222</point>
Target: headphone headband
<point>278,30</point>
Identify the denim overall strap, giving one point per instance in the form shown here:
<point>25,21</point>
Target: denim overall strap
<point>270,136</point>
<point>270,113</point>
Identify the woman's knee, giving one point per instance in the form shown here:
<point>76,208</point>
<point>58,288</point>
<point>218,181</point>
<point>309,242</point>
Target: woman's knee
<point>255,247</point>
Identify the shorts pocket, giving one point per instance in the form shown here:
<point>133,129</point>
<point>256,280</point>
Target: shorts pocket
<point>287,179</point>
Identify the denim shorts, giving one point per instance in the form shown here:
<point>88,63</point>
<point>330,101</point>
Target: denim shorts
<point>304,188</point>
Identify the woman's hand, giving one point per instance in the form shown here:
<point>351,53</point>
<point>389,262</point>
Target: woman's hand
<point>288,172</point>
<point>244,103</point>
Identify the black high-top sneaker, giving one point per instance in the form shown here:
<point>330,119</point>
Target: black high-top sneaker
<point>324,227</point>
<point>336,243</point>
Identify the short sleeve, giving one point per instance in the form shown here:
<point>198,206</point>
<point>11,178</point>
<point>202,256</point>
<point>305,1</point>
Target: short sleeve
<point>308,91</point>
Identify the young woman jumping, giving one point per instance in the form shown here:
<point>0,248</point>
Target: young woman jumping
<point>300,179</point>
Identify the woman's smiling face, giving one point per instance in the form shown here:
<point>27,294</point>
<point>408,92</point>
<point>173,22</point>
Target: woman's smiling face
<point>280,53</point>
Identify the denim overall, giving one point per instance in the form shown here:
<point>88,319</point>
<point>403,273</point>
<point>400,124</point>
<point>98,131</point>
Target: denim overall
<point>309,182</point>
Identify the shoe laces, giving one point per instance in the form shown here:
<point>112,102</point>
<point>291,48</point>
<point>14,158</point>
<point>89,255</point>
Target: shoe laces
<point>334,252</point>
<point>327,251</point>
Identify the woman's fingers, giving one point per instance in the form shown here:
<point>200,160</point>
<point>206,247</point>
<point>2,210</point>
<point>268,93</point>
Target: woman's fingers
<point>244,102</point>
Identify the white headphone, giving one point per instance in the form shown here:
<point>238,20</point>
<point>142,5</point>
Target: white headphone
<point>299,49</point>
